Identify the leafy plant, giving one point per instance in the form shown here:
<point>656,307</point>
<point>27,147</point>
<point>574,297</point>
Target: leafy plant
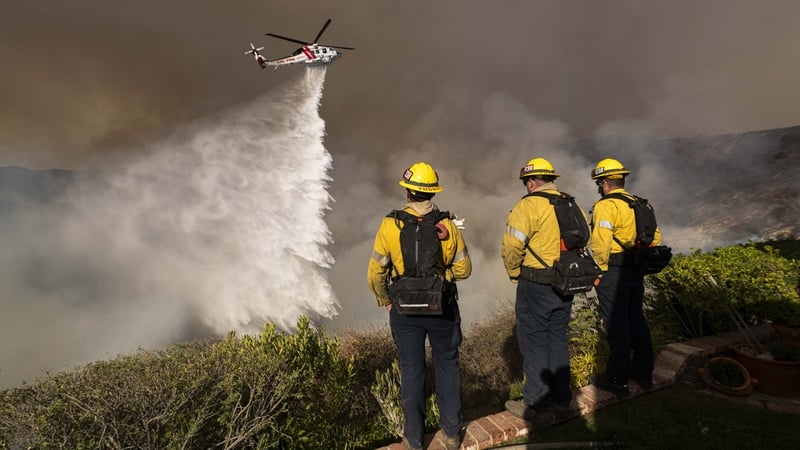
<point>387,393</point>
<point>587,345</point>
<point>310,390</point>
<point>275,390</point>
<point>783,352</point>
<point>726,373</point>
<point>702,289</point>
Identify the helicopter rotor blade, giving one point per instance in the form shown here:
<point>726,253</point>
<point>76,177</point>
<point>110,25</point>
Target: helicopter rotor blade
<point>328,22</point>
<point>338,47</point>
<point>296,41</point>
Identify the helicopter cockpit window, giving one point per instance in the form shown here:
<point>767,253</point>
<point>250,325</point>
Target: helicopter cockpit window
<point>324,50</point>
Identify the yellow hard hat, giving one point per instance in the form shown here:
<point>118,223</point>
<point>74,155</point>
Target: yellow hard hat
<point>609,168</point>
<point>537,167</point>
<point>421,177</point>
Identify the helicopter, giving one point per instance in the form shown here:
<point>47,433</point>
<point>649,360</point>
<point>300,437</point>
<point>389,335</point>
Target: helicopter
<point>311,53</point>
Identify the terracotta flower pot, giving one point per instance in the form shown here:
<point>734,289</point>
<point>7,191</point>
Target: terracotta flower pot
<point>727,375</point>
<point>787,335</point>
<point>779,378</point>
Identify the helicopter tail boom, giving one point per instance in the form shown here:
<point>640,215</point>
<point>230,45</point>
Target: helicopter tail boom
<point>262,62</point>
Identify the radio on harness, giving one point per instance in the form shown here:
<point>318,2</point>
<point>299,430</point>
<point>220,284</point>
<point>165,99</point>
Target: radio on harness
<point>575,271</point>
<point>647,258</point>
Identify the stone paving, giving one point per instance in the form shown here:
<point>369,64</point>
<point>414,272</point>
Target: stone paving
<point>671,363</point>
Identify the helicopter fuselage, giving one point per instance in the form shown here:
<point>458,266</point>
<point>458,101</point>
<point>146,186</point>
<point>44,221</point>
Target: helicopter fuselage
<point>317,54</point>
<point>311,53</point>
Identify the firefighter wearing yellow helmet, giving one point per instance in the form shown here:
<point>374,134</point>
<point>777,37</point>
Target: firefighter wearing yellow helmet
<point>421,177</point>
<point>542,314</point>
<point>620,290</point>
<point>452,262</point>
<point>611,169</point>
<point>537,167</point>
<point>532,221</point>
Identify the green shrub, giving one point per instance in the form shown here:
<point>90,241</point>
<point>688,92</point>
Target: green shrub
<point>386,391</point>
<point>587,345</point>
<point>789,249</point>
<point>702,289</point>
<point>275,390</point>
<point>310,390</point>
<point>115,403</point>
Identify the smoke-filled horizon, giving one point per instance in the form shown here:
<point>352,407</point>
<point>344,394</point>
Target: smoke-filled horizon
<point>86,78</point>
<point>474,88</point>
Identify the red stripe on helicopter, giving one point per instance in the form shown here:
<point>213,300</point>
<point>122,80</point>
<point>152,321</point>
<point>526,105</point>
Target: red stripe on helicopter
<point>309,54</point>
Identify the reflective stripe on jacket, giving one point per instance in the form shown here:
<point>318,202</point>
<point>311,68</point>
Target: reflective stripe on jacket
<point>387,256</point>
<point>612,217</point>
<point>532,221</point>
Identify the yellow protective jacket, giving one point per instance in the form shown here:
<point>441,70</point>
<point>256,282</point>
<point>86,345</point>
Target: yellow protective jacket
<point>532,221</point>
<point>387,256</point>
<point>611,218</point>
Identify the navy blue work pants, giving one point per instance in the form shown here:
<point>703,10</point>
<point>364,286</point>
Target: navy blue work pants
<point>542,321</point>
<point>621,293</point>
<point>444,334</point>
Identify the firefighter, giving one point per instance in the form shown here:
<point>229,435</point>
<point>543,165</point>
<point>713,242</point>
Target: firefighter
<point>620,290</point>
<point>409,331</point>
<point>542,314</point>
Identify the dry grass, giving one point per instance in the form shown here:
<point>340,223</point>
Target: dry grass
<point>490,360</point>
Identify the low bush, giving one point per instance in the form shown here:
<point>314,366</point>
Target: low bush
<point>275,390</point>
<point>701,291</point>
<point>311,390</point>
<point>588,348</point>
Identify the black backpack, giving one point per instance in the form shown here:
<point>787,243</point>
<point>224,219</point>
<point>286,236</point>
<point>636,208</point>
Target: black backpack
<point>575,271</point>
<point>647,258</point>
<point>419,289</point>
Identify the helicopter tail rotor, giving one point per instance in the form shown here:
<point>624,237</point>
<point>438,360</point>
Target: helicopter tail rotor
<point>253,50</point>
<point>259,59</point>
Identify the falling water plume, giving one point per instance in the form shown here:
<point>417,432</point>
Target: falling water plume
<point>221,227</point>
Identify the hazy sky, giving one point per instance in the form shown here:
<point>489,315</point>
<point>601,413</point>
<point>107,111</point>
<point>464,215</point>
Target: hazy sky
<point>475,88</point>
<point>86,77</point>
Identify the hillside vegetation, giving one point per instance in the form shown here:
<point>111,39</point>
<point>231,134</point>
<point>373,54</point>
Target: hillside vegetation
<point>308,389</point>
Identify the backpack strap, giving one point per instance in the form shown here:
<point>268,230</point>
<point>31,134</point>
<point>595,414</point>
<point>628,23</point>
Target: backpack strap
<point>401,215</point>
<point>631,201</point>
<point>553,199</point>
<point>538,258</point>
<point>405,216</point>
<point>557,200</point>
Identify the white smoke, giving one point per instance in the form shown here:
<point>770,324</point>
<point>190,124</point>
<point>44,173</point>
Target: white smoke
<point>219,228</point>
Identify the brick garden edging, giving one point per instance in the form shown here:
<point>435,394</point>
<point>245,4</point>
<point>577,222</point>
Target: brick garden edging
<point>670,364</point>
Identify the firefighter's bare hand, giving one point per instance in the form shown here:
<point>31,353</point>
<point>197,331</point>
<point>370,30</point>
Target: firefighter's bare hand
<point>389,307</point>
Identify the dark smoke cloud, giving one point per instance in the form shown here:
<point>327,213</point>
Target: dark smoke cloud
<point>475,88</point>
